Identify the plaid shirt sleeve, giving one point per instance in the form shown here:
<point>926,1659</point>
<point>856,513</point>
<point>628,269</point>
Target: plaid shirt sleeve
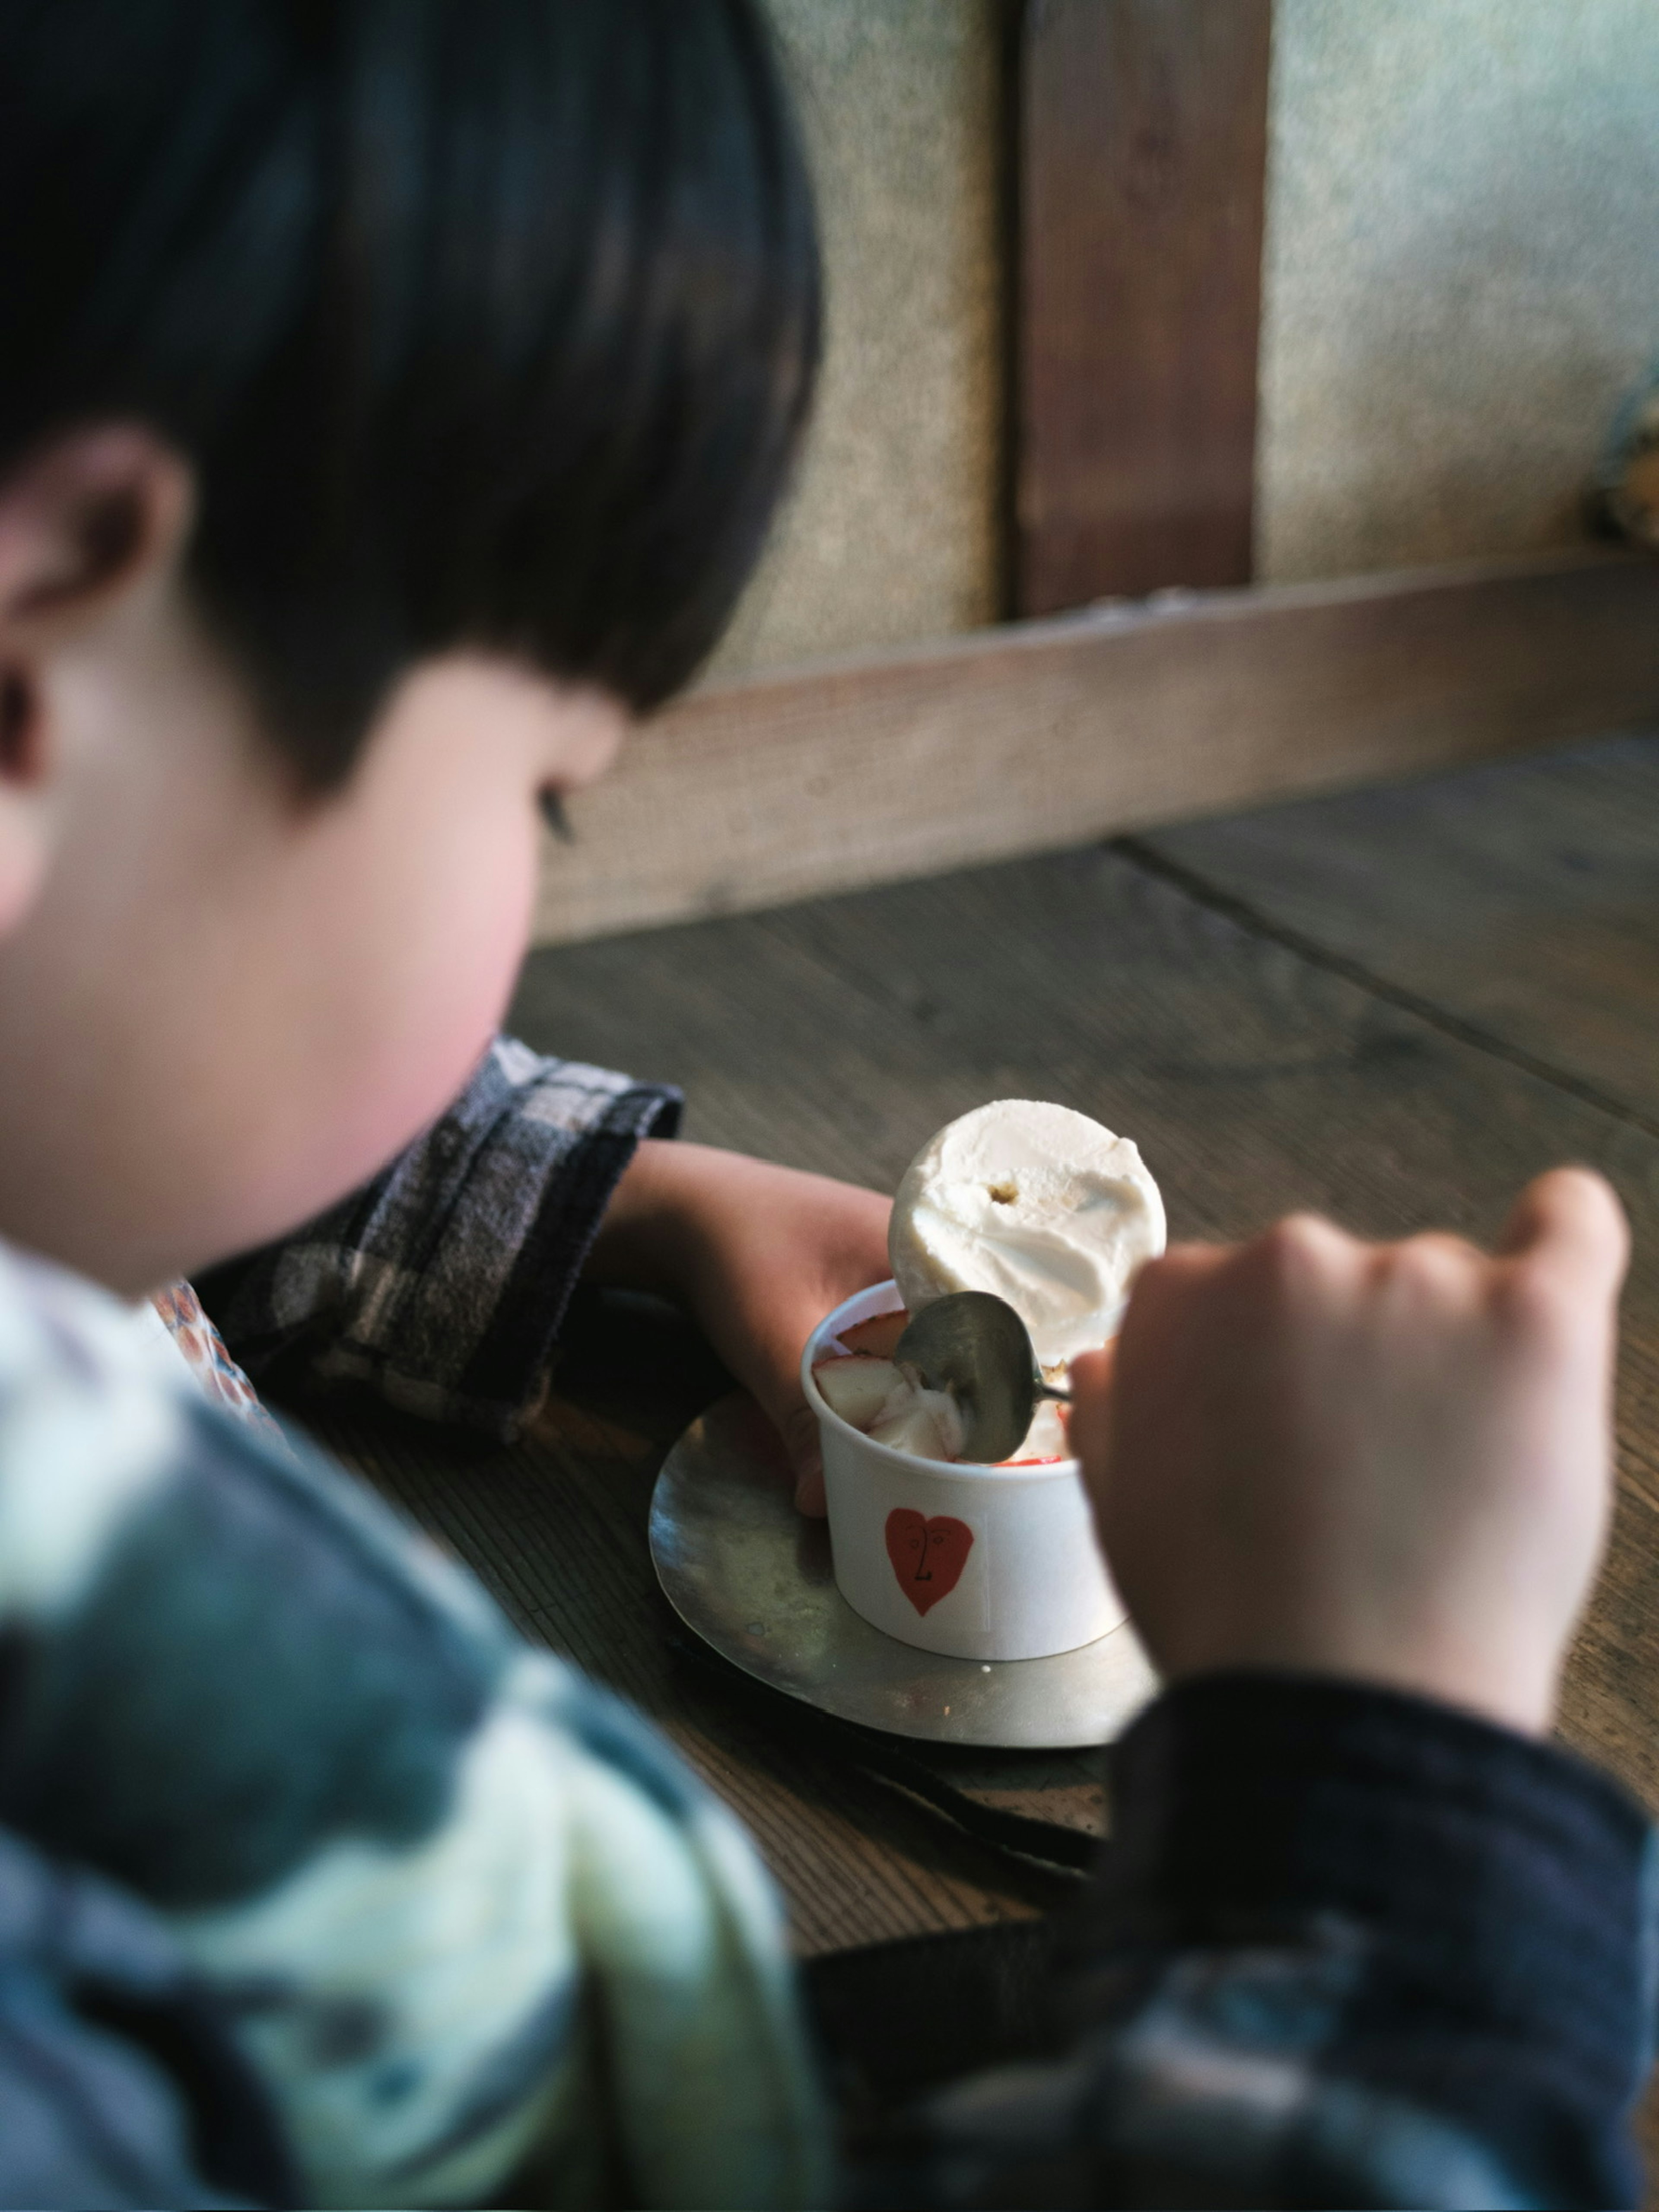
<point>443,1282</point>
<point>1346,1947</point>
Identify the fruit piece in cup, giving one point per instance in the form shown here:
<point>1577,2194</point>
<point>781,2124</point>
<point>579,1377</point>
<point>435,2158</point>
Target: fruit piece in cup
<point>879,1336</point>
<point>862,1384</point>
<point>889,1403</point>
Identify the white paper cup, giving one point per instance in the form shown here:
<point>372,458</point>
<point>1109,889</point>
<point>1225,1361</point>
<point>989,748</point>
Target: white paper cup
<point>977,1562</point>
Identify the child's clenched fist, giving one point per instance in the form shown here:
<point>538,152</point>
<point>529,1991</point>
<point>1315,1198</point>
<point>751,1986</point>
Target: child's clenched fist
<point>1388,1462</point>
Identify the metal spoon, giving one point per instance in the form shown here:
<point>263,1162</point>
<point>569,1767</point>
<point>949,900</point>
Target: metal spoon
<point>974,1345</point>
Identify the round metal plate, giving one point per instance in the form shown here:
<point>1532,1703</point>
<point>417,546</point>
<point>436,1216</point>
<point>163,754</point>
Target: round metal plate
<point>741,1567</point>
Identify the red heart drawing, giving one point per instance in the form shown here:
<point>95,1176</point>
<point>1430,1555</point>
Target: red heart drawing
<point>928,1556</point>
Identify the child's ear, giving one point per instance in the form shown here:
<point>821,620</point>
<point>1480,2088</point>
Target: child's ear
<point>84,521</point>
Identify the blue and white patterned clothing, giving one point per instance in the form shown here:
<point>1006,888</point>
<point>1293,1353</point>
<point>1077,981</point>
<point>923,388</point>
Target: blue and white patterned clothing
<point>464,1913</point>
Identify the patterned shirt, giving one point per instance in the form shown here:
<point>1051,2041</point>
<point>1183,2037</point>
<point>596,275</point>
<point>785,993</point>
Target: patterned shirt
<point>318,1885</point>
<point>443,1282</point>
<point>195,1340</point>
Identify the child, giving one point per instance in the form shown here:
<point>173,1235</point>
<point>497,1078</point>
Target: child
<point>392,397</point>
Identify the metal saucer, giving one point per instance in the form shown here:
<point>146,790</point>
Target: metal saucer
<point>742,1568</point>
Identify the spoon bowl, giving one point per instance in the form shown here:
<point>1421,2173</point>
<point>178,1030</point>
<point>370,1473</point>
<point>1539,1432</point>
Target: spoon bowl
<point>974,1345</point>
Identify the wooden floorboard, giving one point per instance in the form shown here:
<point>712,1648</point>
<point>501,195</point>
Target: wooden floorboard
<point>1394,1010</point>
<point>1521,901</point>
<point>839,1034</point>
<point>556,1527</point>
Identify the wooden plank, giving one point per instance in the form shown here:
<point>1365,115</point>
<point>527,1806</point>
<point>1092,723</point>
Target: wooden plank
<point>1044,734</point>
<point>1520,900</point>
<point>1141,169</point>
<point>556,1527</point>
<point>840,1034</point>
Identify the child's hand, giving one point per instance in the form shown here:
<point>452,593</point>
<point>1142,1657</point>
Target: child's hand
<point>1386,1461</point>
<point>759,1254</point>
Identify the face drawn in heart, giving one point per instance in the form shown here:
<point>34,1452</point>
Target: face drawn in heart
<point>928,1556</point>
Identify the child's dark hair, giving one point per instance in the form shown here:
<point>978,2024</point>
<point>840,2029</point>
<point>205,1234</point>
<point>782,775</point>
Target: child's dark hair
<point>483,322</point>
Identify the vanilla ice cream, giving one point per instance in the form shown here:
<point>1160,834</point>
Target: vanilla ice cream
<point>1040,1206</point>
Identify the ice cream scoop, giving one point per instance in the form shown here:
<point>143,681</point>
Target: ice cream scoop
<point>1036,1204</point>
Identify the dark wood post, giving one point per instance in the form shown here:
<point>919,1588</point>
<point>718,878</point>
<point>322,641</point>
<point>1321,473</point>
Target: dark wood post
<point>1139,178</point>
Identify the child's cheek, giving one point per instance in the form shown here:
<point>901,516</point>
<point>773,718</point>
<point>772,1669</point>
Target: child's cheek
<point>452,991</point>
<point>413,1012</point>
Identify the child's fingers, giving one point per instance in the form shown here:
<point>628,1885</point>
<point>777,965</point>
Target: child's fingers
<point>799,1427</point>
<point>1088,1421</point>
<point>1173,1276</point>
<point>1089,1380</point>
<point>1571,1219</point>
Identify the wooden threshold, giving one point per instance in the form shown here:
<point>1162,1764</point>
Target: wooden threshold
<point>1039,735</point>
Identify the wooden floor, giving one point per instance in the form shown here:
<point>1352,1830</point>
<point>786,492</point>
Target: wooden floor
<point>1394,1007</point>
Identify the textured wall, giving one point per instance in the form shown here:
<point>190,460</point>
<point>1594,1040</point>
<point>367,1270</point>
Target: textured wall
<point>891,534</point>
<point>1461,273</point>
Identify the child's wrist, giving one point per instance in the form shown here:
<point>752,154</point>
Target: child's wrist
<point>1510,1684</point>
<point>651,1233</point>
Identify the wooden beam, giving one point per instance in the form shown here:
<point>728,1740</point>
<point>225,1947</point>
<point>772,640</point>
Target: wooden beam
<point>1139,177</point>
<point>1041,735</point>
